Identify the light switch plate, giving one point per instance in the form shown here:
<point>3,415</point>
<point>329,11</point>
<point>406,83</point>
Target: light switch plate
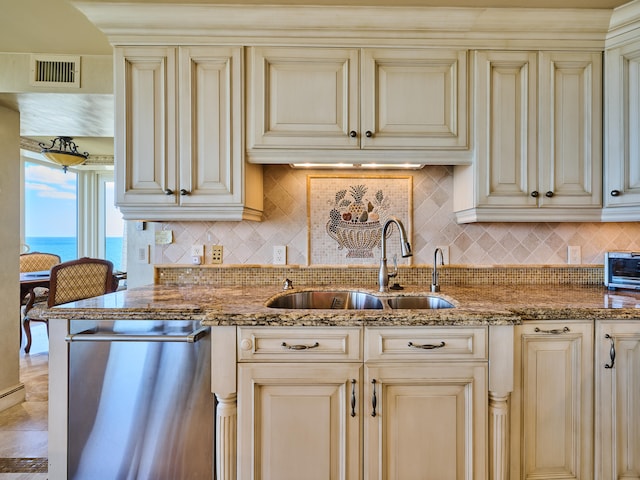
<point>197,250</point>
<point>143,254</point>
<point>574,255</point>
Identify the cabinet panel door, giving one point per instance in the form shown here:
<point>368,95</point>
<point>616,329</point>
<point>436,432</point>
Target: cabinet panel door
<point>506,128</point>
<point>430,422</point>
<point>622,143</point>
<point>303,97</point>
<point>618,400</point>
<point>413,98</point>
<point>295,421</point>
<point>145,140</point>
<point>210,126</point>
<point>570,132</point>
<point>552,404</point>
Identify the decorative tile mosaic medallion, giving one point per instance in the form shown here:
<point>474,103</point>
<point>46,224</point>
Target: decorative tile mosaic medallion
<point>346,215</point>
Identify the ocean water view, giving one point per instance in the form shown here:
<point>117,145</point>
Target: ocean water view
<point>66,248</point>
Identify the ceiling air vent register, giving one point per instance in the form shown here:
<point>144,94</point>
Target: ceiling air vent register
<point>55,71</point>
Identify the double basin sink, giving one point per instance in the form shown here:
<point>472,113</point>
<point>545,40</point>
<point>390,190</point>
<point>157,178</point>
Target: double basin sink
<point>348,299</point>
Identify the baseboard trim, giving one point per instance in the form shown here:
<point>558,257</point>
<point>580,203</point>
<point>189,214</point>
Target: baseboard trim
<point>12,396</point>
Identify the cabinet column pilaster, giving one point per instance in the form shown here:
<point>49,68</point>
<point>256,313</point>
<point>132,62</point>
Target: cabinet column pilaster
<point>226,435</point>
<point>499,422</point>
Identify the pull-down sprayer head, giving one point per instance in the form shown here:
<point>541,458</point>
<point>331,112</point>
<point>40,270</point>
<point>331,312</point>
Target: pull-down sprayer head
<point>405,247</point>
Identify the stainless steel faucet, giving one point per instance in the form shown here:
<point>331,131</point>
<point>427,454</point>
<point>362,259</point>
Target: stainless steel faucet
<point>383,274</point>
<point>434,276</point>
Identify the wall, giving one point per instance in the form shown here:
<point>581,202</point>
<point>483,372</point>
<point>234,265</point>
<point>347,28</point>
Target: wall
<point>11,390</point>
<point>285,223</point>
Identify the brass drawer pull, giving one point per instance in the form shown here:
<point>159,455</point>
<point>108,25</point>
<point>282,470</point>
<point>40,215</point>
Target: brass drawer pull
<point>555,331</point>
<point>300,347</point>
<point>426,346</point>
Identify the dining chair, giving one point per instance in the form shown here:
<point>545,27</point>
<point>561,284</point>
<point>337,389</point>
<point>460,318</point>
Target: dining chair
<point>35,262</point>
<point>70,281</point>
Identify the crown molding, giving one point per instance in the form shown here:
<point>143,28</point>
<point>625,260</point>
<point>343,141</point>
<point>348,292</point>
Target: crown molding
<point>177,23</point>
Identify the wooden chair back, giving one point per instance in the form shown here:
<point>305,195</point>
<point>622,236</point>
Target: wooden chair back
<point>38,261</point>
<point>80,279</point>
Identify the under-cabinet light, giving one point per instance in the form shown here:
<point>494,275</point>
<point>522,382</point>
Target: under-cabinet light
<point>396,166</point>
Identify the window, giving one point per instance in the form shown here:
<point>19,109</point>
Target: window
<point>72,214</point>
<point>111,225</point>
<point>50,210</point>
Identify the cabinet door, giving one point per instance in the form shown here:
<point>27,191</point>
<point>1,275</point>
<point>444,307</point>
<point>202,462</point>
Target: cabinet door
<point>506,128</point>
<point>414,98</point>
<point>570,134</point>
<point>145,139</point>
<point>299,421</point>
<point>622,143</point>
<point>617,400</point>
<point>425,422</point>
<point>303,97</point>
<point>552,401</point>
<point>211,169</point>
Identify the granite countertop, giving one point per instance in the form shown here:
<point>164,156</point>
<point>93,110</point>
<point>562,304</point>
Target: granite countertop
<point>474,305</point>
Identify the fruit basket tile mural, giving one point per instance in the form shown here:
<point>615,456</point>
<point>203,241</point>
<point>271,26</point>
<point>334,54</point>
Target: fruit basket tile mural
<point>346,214</point>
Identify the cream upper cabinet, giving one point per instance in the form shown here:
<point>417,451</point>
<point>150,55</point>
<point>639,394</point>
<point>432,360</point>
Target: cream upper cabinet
<point>355,104</point>
<point>617,400</point>
<point>622,143</point>
<point>552,401</point>
<point>538,139</point>
<point>179,135</point>
<point>146,156</point>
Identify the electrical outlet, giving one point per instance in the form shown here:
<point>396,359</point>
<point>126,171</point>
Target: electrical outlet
<point>216,253</point>
<point>574,255</point>
<point>445,253</point>
<point>280,255</point>
<point>197,250</point>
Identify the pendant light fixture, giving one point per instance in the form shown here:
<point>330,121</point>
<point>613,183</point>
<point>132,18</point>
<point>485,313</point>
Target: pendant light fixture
<point>63,151</point>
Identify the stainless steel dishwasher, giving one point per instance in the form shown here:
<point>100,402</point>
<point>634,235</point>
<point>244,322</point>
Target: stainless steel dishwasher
<point>140,402</point>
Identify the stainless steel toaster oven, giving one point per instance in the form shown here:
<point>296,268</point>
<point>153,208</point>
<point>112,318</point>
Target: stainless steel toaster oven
<point>622,270</point>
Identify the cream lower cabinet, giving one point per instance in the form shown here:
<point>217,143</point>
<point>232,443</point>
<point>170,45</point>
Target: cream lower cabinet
<point>299,421</point>
<point>425,422</point>
<point>179,120</point>
<point>425,404</point>
<point>299,403</point>
<point>309,408</point>
<point>617,375</point>
<point>552,401</point>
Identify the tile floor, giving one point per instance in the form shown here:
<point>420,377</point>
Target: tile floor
<point>23,428</point>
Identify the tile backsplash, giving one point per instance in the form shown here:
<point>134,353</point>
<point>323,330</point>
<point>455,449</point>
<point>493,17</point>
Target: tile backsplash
<point>285,223</point>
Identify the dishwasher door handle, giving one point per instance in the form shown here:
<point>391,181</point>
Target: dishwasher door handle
<point>192,337</point>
